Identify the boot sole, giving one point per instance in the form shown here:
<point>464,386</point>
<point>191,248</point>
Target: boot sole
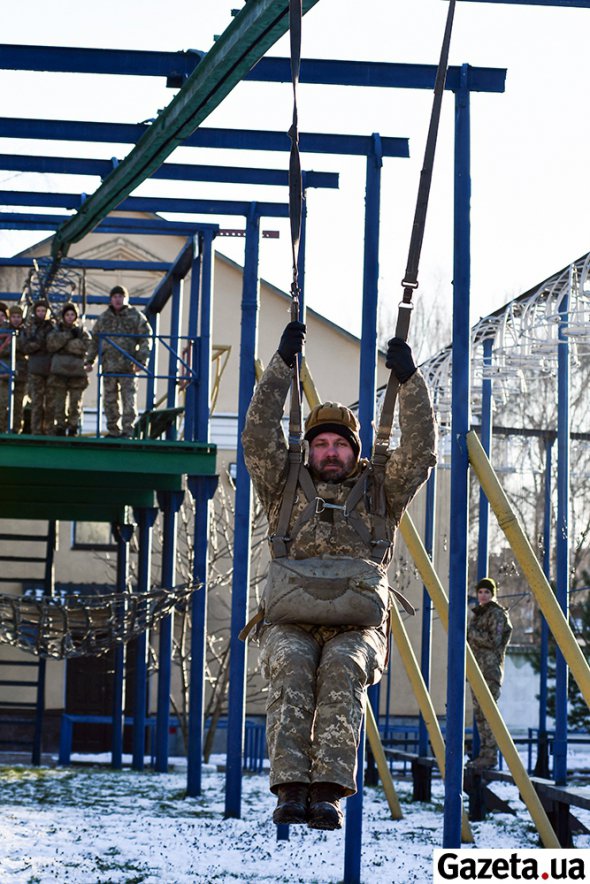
<point>325,826</point>
<point>288,818</point>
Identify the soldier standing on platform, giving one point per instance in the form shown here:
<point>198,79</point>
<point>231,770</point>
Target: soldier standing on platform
<point>68,343</point>
<point>14,336</point>
<point>121,331</point>
<point>39,367</point>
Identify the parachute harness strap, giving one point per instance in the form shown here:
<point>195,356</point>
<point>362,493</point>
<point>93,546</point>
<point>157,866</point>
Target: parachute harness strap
<point>280,539</point>
<point>410,280</point>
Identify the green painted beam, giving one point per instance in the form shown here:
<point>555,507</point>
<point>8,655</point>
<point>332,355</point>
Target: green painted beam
<point>149,459</point>
<point>44,494</point>
<point>253,31</point>
<point>72,512</point>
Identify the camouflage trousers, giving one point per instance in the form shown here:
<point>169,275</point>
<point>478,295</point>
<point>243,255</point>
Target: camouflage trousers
<point>18,397</point>
<point>41,405</point>
<point>487,742</point>
<point>318,678</point>
<point>125,390</point>
<point>67,400</point>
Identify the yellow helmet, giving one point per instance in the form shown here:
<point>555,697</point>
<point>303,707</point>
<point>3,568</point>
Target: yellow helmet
<point>332,417</point>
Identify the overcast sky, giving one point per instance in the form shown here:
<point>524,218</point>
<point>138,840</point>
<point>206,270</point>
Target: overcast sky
<point>529,145</point>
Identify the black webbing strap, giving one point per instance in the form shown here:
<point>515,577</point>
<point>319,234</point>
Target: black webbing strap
<point>295,214</point>
<point>410,280</point>
<point>279,539</point>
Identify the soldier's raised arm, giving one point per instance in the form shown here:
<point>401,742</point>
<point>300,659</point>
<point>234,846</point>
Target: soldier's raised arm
<point>265,446</point>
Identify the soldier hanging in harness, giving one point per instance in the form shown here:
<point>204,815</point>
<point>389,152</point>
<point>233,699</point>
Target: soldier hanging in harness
<point>324,630</point>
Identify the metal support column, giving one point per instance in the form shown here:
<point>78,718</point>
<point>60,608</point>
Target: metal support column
<point>367,393</point>
<point>202,488</point>
<point>242,540</point>
<point>562,562</point>
<point>169,502</point>
<point>192,391</point>
<point>486,441</point>
<point>542,763</point>
<point>426,640</point>
<point>123,534</point>
<point>145,517</point>
<point>455,720</point>
<point>48,589</point>
<point>175,346</point>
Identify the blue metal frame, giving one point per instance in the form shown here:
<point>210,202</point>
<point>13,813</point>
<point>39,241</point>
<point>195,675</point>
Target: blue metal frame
<point>426,632</point>
<point>202,489</point>
<point>243,505</point>
<point>562,563</point>
<point>455,725</point>
<point>145,518</point>
<point>123,534</point>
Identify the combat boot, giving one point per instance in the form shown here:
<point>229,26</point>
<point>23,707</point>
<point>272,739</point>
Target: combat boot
<point>292,803</point>
<point>324,806</point>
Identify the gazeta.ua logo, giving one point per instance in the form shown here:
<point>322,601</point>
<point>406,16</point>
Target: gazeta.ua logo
<point>471,864</point>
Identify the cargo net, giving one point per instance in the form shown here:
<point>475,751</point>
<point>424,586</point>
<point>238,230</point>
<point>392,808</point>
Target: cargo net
<point>83,625</point>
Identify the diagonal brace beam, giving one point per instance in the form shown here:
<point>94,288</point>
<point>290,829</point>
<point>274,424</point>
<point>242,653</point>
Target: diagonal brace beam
<point>254,30</point>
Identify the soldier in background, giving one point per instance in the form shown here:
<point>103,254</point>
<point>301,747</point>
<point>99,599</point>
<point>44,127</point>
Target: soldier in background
<point>318,675</point>
<point>13,337</point>
<point>36,333</point>
<point>488,635</point>
<point>3,313</point>
<point>68,343</point>
<point>129,330</point>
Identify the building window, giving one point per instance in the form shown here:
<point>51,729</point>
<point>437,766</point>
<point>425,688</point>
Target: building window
<point>93,536</point>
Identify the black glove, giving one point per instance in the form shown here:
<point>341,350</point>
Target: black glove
<point>399,359</point>
<point>291,342</point>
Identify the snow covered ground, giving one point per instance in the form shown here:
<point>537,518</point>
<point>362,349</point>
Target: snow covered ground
<point>93,825</point>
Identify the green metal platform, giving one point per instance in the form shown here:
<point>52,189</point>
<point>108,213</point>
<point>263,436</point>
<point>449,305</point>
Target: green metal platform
<point>90,479</point>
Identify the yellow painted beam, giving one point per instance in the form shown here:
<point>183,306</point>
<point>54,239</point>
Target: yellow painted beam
<point>480,689</point>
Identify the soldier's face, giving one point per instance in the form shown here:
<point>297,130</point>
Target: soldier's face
<point>484,595</point>
<point>40,312</point>
<point>117,301</point>
<point>331,457</point>
<point>69,317</point>
<point>16,320</point>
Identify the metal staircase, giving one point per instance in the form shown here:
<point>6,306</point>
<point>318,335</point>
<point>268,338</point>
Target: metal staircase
<point>22,676</point>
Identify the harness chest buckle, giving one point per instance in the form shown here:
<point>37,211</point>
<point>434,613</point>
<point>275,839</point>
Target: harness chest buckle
<point>321,505</point>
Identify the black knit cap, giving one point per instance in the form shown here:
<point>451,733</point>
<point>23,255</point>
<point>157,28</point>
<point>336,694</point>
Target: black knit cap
<point>487,583</point>
<point>341,430</point>
<point>68,306</point>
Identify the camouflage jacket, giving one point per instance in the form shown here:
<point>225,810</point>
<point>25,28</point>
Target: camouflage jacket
<point>35,345</point>
<point>488,634</point>
<point>68,346</point>
<point>128,321</point>
<point>20,359</point>
<point>328,533</point>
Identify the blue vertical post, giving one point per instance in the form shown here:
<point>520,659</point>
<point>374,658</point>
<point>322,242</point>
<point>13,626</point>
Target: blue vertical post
<point>170,502</point>
<point>242,519</point>
<point>426,639</point>
<point>542,766</point>
<point>455,719</point>
<point>484,506</point>
<point>152,364</point>
<point>486,441</point>
<point>367,393</point>
<point>192,391</point>
<point>175,347</point>
<point>562,542</point>
<point>123,534</point>
<point>145,516</point>
<point>202,488</point>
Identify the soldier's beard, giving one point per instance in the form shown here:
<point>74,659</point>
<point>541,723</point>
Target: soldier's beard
<point>331,469</point>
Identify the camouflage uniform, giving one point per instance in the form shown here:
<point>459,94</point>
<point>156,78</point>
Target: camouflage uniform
<point>20,379</point>
<point>488,634</point>
<point>35,346</point>
<point>68,378</point>
<point>119,380</point>
<point>318,675</point>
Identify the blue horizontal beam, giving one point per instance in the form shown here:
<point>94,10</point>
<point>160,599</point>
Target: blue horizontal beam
<point>231,139</point>
<point>168,171</point>
<point>96,264</point>
<point>147,204</point>
<point>176,66</point>
<point>138,226</point>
